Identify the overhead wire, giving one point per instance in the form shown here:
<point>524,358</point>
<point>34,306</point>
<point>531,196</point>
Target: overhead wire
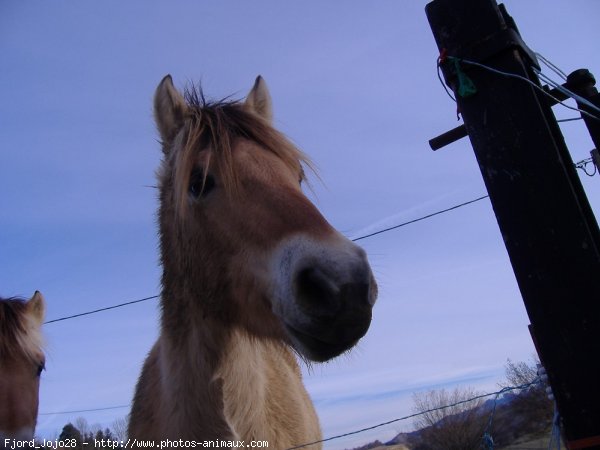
<point>76,411</point>
<point>420,218</point>
<point>536,86</point>
<point>553,67</point>
<point>569,93</point>
<point>101,309</point>
<point>539,73</point>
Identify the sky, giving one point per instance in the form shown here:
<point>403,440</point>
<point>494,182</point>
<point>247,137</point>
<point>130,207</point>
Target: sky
<point>354,85</point>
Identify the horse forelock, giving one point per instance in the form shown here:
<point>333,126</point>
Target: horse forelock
<point>18,335</point>
<point>215,128</point>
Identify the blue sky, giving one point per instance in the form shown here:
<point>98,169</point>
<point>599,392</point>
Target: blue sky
<point>354,85</point>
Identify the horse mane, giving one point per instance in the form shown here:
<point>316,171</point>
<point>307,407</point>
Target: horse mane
<point>15,336</point>
<point>216,126</point>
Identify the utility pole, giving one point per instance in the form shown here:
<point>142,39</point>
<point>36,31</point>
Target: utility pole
<point>545,219</point>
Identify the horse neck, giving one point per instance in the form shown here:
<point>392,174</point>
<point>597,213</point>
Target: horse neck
<point>213,370</point>
<point>190,335</point>
<point>188,357</point>
<point>231,373</point>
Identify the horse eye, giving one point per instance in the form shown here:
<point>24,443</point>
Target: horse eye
<point>301,176</point>
<point>41,367</point>
<point>200,185</point>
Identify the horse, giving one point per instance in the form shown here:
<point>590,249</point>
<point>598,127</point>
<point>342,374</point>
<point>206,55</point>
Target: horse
<point>253,278</point>
<point>21,363</point>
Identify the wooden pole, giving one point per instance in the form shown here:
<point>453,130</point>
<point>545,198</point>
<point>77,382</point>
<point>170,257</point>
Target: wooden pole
<point>546,222</point>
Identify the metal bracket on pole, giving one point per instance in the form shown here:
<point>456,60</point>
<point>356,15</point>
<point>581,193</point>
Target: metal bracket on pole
<point>596,159</point>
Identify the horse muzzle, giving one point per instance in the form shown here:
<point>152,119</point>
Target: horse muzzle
<point>326,296</point>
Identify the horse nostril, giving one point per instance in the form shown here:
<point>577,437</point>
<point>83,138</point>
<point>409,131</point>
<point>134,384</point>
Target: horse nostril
<point>317,292</point>
<point>357,294</point>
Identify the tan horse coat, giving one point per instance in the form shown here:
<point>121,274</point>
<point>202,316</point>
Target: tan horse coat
<point>251,273</point>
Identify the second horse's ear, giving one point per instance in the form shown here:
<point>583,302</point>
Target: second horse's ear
<point>170,110</point>
<point>36,307</point>
<point>259,100</point>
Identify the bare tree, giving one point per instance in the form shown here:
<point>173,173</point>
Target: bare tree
<point>82,425</point>
<point>119,427</point>
<point>449,420</point>
<point>95,429</point>
<point>520,373</point>
<point>531,406</point>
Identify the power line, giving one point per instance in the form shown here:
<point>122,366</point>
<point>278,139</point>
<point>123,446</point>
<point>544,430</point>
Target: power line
<point>385,230</point>
<point>102,309</point>
<point>544,78</point>
<point>553,67</point>
<point>84,410</point>
<point>420,218</point>
<point>444,57</point>
<point>571,94</point>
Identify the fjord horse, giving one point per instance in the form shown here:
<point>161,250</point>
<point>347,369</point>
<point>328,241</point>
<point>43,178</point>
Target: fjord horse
<point>252,274</point>
<point>21,364</point>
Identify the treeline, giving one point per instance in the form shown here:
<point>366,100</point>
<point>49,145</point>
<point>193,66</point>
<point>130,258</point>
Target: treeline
<point>81,436</point>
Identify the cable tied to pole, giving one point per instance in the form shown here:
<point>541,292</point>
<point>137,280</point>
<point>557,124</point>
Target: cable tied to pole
<point>466,87</point>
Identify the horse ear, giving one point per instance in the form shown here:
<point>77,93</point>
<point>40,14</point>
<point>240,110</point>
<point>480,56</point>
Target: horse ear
<point>36,306</point>
<point>169,109</point>
<point>259,100</point>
